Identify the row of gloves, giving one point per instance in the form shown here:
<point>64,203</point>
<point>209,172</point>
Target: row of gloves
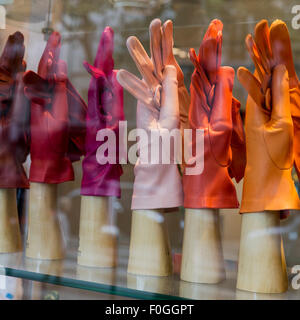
<point>43,114</point>
<point>264,156</point>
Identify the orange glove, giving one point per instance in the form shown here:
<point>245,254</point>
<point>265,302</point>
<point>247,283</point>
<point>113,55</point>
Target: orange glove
<point>212,110</point>
<point>268,183</point>
<point>271,47</point>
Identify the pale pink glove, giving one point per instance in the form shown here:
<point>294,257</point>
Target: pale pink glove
<point>155,185</point>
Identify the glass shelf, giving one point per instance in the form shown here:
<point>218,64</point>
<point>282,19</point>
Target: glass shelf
<point>118,282</point>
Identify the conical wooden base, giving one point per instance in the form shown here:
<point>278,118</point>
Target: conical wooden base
<point>51,267</point>
<point>161,285</point>
<point>149,252</point>
<point>10,236</point>
<point>99,275</point>
<point>202,255</point>
<point>262,266</point>
<point>97,238</point>
<point>44,239</point>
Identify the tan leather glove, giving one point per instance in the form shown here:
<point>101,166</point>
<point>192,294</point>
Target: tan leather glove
<point>268,183</point>
<point>270,47</point>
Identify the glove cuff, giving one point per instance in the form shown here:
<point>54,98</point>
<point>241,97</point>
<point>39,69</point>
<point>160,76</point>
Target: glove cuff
<point>156,186</point>
<point>100,180</point>
<point>51,170</point>
<point>266,191</point>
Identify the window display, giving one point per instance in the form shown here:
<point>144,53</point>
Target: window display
<point>135,165</point>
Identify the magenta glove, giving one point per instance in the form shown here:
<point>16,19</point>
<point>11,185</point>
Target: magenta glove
<point>14,112</point>
<point>105,110</point>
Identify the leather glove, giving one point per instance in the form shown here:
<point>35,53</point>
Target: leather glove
<point>270,47</point>
<point>155,185</point>
<point>268,183</point>
<point>212,110</point>
<point>161,46</point>
<point>52,118</point>
<point>14,110</point>
<point>238,144</point>
<point>105,110</point>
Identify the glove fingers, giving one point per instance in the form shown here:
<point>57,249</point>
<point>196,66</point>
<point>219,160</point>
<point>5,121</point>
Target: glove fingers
<point>295,101</point>
<point>222,105</point>
<point>36,87</point>
<point>279,130</point>
<point>255,114</point>
<point>116,110</point>
<point>50,56</point>
<point>142,61</point>
<point>169,111</point>
<point>155,31</point>
<point>220,123</point>
<point>262,40</point>
<point>251,85</point>
<point>206,84</point>
<point>213,29</point>
<point>20,119</point>
<point>208,58</point>
<point>254,55</point>
<point>281,48</point>
<point>210,51</point>
<point>238,135</point>
<point>200,91</point>
<point>12,56</point>
<point>238,143</point>
<point>62,70</point>
<point>135,86</point>
<point>104,57</point>
<point>280,94</point>
<point>199,110</point>
<point>93,71</point>
<point>167,50</point>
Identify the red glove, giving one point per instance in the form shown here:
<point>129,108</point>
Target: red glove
<point>54,139</point>
<point>238,144</point>
<point>212,111</point>
<point>14,110</point>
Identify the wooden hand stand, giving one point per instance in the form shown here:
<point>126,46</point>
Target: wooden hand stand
<point>97,238</point>
<point>44,239</point>
<point>99,275</point>
<point>149,252</point>
<point>162,285</point>
<point>202,255</point>
<point>10,235</point>
<point>50,267</point>
<point>262,266</point>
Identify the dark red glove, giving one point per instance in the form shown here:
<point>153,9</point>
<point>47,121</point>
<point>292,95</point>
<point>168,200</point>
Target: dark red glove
<point>105,110</point>
<point>14,113</point>
<point>57,114</point>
